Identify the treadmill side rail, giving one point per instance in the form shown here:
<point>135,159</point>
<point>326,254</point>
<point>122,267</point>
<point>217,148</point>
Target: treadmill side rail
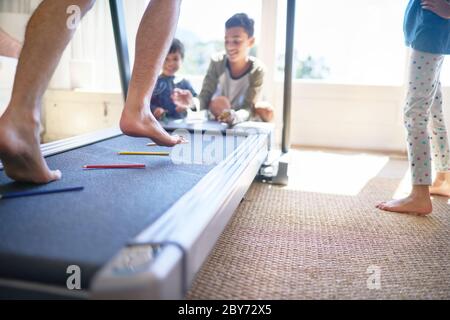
<point>210,205</point>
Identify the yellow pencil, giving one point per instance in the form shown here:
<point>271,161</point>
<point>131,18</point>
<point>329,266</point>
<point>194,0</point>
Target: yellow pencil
<point>156,153</point>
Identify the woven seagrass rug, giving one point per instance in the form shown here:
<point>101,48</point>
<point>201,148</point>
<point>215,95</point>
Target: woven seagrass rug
<point>321,237</point>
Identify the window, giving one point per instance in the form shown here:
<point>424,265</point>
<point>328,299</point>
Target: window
<point>445,73</point>
<point>349,41</point>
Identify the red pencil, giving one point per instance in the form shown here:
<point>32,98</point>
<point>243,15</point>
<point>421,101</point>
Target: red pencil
<point>114,166</point>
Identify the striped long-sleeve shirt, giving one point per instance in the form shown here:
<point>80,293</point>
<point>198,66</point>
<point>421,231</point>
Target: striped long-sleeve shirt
<point>243,92</point>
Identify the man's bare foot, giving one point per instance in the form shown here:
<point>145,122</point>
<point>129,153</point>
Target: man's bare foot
<point>411,204</point>
<point>441,185</point>
<point>20,150</point>
<point>143,124</point>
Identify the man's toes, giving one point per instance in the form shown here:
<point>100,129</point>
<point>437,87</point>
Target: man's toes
<point>55,175</point>
<point>179,139</point>
<point>170,141</point>
<point>50,176</point>
<point>46,177</point>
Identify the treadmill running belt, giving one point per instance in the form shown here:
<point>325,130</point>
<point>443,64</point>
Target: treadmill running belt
<point>42,235</point>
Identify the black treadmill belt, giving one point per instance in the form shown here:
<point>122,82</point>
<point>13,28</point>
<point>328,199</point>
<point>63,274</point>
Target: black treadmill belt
<point>86,228</point>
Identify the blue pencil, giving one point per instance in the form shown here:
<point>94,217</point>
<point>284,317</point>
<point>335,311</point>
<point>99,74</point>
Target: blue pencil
<point>10,195</point>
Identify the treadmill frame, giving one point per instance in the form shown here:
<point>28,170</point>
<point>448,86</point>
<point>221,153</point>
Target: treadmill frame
<point>176,244</point>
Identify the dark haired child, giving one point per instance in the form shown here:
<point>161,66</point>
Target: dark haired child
<point>172,96</point>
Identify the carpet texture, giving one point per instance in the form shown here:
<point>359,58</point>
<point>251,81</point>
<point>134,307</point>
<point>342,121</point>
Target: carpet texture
<point>288,243</point>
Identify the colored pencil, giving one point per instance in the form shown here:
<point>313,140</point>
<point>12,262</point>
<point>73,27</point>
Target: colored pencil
<point>155,153</point>
<point>18,194</point>
<point>114,166</point>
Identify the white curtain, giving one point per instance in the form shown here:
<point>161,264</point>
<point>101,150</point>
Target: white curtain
<point>93,51</point>
<point>89,61</point>
<point>19,6</point>
<point>134,10</point>
<point>93,43</point>
<point>14,15</point>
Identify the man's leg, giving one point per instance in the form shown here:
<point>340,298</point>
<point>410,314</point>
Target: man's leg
<point>153,39</point>
<point>9,46</point>
<point>46,37</point>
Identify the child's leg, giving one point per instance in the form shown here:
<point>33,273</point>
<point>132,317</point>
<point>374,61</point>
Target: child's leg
<point>423,83</point>
<point>440,147</point>
<point>422,94</point>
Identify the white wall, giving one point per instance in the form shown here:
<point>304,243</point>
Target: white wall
<point>70,113</point>
<point>344,116</point>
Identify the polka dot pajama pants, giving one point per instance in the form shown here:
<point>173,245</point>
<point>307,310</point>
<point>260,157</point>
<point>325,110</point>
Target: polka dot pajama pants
<point>423,118</point>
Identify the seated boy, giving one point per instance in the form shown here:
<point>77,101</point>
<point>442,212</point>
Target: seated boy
<point>172,96</point>
<point>232,86</point>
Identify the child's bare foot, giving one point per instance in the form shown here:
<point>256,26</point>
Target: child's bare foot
<point>441,185</point>
<point>407,205</point>
<point>20,150</point>
<point>143,124</point>
<point>418,202</point>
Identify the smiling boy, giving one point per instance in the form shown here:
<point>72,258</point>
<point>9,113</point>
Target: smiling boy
<point>172,96</point>
<point>232,86</point>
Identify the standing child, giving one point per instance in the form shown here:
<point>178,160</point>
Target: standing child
<point>427,32</point>
<point>172,96</point>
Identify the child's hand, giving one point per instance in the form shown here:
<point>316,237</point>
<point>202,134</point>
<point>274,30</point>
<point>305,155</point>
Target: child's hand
<point>181,108</point>
<point>182,99</point>
<point>440,7</point>
<point>159,113</point>
<point>227,116</point>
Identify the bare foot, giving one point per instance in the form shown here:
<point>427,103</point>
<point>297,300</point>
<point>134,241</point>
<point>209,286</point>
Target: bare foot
<point>440,187</point>
<point>411,204</point>
<point>144,124</point>
<point>20,150</point>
